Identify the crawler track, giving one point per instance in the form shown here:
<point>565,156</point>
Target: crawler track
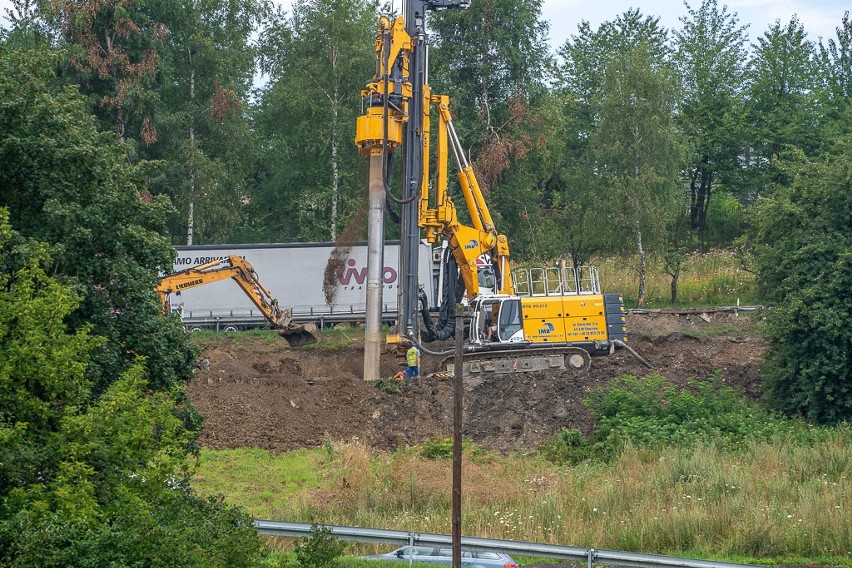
<point>501,361</point>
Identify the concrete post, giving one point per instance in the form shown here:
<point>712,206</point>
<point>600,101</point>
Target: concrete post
<point>375,269</point>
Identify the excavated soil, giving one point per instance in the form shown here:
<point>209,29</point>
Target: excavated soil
<point>277,398</point>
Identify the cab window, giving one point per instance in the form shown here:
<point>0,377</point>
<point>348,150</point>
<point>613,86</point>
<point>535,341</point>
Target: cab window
<point>510,318</point>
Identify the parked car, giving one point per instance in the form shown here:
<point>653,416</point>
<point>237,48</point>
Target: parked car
<point>444,556</point>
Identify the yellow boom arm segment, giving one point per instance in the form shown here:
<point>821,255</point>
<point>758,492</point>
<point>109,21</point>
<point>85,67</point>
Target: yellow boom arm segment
<point>240,271</point>
<point>440,218</point>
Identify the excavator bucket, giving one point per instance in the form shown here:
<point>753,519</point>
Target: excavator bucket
<point>298,335</point>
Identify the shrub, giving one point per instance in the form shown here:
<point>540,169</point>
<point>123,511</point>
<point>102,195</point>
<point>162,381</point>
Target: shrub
<point>803,246</point>
<point>390,386</point>
<point>568,446</point>
<point>653,412</point>
<point>321,550</point>
<point>441,448</point>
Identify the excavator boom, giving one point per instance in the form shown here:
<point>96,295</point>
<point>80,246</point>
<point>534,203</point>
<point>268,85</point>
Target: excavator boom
<point>240,271</point>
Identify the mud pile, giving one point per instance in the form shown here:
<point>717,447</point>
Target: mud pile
<point>277,398</point>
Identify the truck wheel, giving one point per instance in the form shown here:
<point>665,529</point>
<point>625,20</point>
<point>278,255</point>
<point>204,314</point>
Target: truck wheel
<point>230,329</point>
<point>196,328</point>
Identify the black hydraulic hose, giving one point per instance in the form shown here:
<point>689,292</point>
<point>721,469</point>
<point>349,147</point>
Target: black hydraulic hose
<point>452,294</point>
<point>424,308</point>
<point>386,160</point>
<point>392,213</point>
<point>396,199</point>
<point>619,343</point>
<point>389,206</point>
<point>429,351</point>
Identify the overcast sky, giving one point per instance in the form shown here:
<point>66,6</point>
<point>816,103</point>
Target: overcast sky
<point>819,17</point>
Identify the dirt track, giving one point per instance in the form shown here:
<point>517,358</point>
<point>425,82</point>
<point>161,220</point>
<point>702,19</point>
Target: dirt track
<point>273,397</point>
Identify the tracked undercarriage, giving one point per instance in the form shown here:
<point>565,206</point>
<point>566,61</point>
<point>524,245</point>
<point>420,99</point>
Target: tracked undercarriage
<point>523,358</point>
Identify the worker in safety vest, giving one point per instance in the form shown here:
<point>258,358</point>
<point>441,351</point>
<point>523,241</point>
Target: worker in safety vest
<point>412,359</point>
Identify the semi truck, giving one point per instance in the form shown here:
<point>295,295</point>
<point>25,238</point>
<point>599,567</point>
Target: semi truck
<point>323,283</point>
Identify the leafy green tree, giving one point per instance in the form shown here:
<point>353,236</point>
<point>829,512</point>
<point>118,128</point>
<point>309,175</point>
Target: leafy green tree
<point>41,365</point>
<point>638,148</point>
<point>485,57</point>
<point>803,250</point>
<point>551,206</point>
<point>835,58</point>
<point>781,107</point>
<point>91,483</point>
<point>585,55</point>
<point>71,186</point>
<point>492,59</point>
<point>318,60</point>
<point>710,57</point>
<point>204,76</point>
<point>114,47</point>
<point>584,197</point>
<point>27,28</point>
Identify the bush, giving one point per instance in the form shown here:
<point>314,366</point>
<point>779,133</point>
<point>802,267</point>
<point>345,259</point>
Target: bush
<point>654,412</point>
<point>803,246</point>
<point>321,550</point>
<point>390,386</point>
<point>568,446</point>
<point>441,448</point>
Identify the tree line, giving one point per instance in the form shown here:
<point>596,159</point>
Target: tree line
<point>628,122</point>
<point>631,138</point>
<point>127,127</point>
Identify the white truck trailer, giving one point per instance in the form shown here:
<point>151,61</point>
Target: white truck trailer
<point>301,277</point>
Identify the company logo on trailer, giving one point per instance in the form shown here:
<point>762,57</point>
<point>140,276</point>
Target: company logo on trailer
<point>359,275</point>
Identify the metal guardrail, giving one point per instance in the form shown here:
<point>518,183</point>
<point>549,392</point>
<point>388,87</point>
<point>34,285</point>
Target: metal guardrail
<point>573,553</point>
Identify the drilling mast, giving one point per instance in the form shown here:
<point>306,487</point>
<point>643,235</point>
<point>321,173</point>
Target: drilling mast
<point>396,103</point>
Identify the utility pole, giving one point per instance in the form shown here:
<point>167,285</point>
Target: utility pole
<point>458,406</point>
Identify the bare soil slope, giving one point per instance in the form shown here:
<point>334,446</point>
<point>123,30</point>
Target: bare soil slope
<point>277,398</point>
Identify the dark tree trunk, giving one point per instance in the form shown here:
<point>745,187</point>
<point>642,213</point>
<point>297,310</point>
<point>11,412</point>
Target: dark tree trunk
<point>674,287</point>
<point>700,186</point>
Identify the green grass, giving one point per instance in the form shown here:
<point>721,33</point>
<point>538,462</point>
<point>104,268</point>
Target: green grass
<point>333,338</point>
<point>711,279</point>
<point>206,338</point>
<point>329,338</point>
<point>262,482</point>
<point>769,502</point>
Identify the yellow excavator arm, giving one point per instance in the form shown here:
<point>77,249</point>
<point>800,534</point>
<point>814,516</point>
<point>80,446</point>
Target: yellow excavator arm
<point>240,271</point>
<point>440,218</point>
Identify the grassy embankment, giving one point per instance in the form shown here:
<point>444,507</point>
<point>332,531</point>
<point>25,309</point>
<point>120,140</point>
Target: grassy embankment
<point>712,279</point>
<point>781,500</point>
<point>776,499</point>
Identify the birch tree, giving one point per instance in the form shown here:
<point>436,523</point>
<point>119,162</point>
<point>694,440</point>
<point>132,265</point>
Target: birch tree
<point>318,60</point>
<point>638,148</point>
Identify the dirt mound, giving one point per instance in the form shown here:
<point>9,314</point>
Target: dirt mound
<point>277,398</point>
